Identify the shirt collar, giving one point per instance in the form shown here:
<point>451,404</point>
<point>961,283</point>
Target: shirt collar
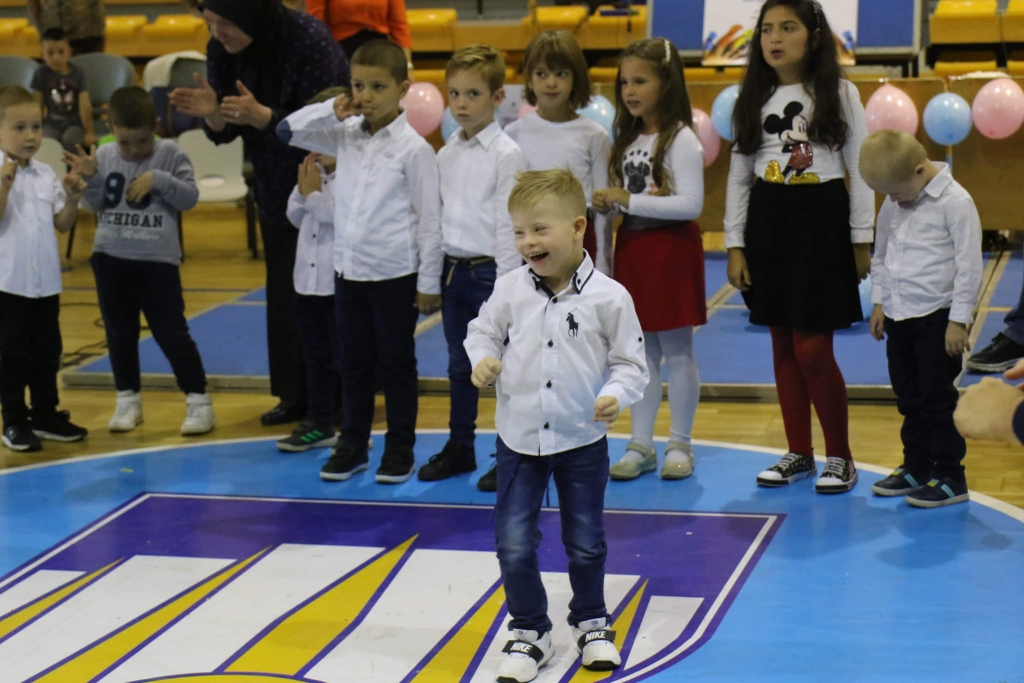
<point>484,137</point>
<point>937,185</point>
<point>578,280</point>
<point>392,129</point>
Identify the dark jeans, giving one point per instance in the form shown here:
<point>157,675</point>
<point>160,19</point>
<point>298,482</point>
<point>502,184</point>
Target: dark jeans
<point>287,371</point>
<point>30,349</point>
<point>377,324</point>
<point>465,286</point>
<point>354,42</point>
<point>314,316</point>
<point>922,376</point>
<point>580,479</point>
<point>125,288</point>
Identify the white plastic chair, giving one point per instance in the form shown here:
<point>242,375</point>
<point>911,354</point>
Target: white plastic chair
<point>51,153</point>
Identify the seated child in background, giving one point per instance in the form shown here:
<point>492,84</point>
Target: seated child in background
<point>61,88</point>
<point>311,210</point>
<point>138,187</point>
<point>563,345</point>
<point>33,202</point>
<point>925,281</point>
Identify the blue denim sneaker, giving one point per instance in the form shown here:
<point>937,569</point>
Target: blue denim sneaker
<point>899,483</point>
<point>939,493</point>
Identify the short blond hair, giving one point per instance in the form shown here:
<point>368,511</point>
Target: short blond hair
<point>532,187</point>
<point>482,58</point>
<point>888,157</point>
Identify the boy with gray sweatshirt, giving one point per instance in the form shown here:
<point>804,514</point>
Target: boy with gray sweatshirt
<point>137,187</point>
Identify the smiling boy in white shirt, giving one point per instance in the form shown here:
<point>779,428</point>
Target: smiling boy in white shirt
<point>925,281</point>
<point>563,345</point>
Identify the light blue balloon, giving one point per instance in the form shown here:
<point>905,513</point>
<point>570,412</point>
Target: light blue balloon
<point>864,290</point>
<point>602,111</point>
<point>721,112</point>
<point>947,119</point>
<point>448,124</point>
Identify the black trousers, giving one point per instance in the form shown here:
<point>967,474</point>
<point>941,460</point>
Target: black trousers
<point>287,371</point>
<point>922,376</point>
<point>126,288</point>
<point>377,321</point>
<point>318,332</point>
<point>30,350</point>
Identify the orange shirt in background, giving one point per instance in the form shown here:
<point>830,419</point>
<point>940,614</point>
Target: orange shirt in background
<point>348,17</point>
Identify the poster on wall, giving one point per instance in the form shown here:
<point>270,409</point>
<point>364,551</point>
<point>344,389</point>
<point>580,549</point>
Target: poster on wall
<point>729,27</point>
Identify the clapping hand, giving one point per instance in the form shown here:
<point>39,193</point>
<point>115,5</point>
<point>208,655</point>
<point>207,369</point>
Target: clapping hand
<point>8,172</point>
<point>244,109</point>
<point>198,101</point>
<point>82,163</point>
<point>309,176</point>
<point>74,186</point>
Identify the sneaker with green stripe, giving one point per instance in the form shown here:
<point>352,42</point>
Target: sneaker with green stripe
<point>306,436</point>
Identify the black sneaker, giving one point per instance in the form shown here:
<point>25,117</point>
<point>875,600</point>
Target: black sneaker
<point>839,476</point>
<point>899,483</point>
<point>938,493</point>
<point>453,459</point>
<point>791,467</point>
<point>999,356</point>
<point>489,482</point>
<point>283,413</point>
<point>58,427</point>
<point>19,437</point>
<point>396,466</point>
<point>344,462</point>
<point>306,436</point>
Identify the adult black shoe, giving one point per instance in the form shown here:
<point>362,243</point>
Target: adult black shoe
<point>19,437</point>
<point>454,459</point>
<point>57,426</point>
<point>489,482</point>
<point>343,463</point>
<point>283,413</point>
<point>1000,355</point>
<point>396,465</point>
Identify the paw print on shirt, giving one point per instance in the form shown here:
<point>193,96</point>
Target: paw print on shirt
<point>637,168</point>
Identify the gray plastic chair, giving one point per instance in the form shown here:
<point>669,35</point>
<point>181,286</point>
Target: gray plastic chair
<point>15,70</point>
<point>183,72</point>
<point>104,73</point>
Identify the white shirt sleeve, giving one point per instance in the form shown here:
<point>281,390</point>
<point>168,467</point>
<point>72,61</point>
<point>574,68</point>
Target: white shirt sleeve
<point>506,256</point>
<point>862,198</point>
<point>737,198</point>
<point>965,229</point>
<point>627,361</point>
<point>685,165</point>
<point>486,334</point>
<point>296,210</point>
<point>314,128</point>
<point>879,273</point>
<point>425,196</point>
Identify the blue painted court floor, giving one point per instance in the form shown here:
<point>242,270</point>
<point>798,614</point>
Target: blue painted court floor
<point>231,561</point>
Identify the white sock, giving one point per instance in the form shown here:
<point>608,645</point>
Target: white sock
<point>683,382</point>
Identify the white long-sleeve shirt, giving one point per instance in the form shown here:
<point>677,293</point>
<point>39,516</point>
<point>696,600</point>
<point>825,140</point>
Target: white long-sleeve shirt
<point>584,147</point>
<point>684,170</point>
<point>313,215</point>
<point>477,176</point>
<point>928,253</point>
<point>564,350</point>
<point>29,257</point>
<point>387,205</point>
<point>784,121</point>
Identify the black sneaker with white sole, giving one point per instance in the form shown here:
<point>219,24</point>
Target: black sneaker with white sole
<point>454,459</point>
<point>839,476</point>
<point>899,483</point>
<point>396,465</point>
<point>19,437</point>
<point>939,493</point>
<point>345,461</point>
<point>306,436</point>
<point>58,426</point>
<point>791,467</point>
<point>1000,355</point>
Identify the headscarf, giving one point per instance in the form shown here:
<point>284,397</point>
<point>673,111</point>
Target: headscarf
<point>259,66</point>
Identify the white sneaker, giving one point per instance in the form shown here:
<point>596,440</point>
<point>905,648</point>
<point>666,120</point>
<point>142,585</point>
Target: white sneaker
<point>128,414</point>
<point>199,417</point>
<point>597,645</point>
<point>526,654</point>
<point>839,476</point>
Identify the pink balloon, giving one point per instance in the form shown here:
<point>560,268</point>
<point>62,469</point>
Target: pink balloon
<point>526,108</point>
<point>707,135</point>
<point>891,109</point>
<point>424,107</point>
<point>998,109</point>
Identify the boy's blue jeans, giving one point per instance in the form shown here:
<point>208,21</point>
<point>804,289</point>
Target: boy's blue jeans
<point>581,476</point>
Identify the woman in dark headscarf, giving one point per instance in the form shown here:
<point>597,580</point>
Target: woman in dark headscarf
<point>263,63</point>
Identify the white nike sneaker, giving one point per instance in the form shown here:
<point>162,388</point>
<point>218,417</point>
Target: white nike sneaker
<point>199,417</point>
<point>596,643</point>
<point>128,414</point>
<point>526,654</point>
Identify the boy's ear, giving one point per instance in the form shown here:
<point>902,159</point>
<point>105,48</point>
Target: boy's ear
<point>403,89</point>
<point>499,96</point>
<point>579,227</point>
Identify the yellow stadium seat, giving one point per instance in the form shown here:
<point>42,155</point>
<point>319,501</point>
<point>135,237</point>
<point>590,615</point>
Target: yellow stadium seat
<point>965,21</point>
<point>610,28</point>
<point>433,30</point>
<point>959,63</point>
<point>28,35</point>
<point>1013,22</point>
<point>9,28</point>
<point>1015,63</point>
<point>174,27</point>
<point>569,18</point>
<point>125,27</point>
<point>603,74</point>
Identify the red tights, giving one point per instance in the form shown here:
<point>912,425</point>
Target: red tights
<point>806,373</point>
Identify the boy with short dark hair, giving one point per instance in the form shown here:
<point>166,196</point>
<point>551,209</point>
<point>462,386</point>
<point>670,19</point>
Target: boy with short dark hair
<point>137,187</point>
<point>33,203</point>
<point>478,167</point>
<point>925,281</point>
<point>387,252</point>
<point>563,346</point>
<point>61,88</point>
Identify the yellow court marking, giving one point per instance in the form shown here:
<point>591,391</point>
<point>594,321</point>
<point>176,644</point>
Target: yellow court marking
<point>98,658</point>
<point>297,640</point>
<point>621,628</point>
<point>453,660</point>
<point>22,616</point>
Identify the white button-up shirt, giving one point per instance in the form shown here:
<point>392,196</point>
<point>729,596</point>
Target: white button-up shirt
<point>477,176</point>
<point>563,351</point>
<point>928,253</point>
<point>29,257</point>
<point>387,206</point>
<point>314,253</point>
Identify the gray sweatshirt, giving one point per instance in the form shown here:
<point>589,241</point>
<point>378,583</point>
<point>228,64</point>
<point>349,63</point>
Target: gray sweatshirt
<point>146,230</point>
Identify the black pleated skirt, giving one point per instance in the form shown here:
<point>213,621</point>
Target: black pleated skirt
<point>800,256</point>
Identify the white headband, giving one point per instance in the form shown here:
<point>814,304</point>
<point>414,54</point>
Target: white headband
<point>668,53</point>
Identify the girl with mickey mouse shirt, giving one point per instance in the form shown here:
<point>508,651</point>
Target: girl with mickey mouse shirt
<point>657,164</point>
<point>798,241</point>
